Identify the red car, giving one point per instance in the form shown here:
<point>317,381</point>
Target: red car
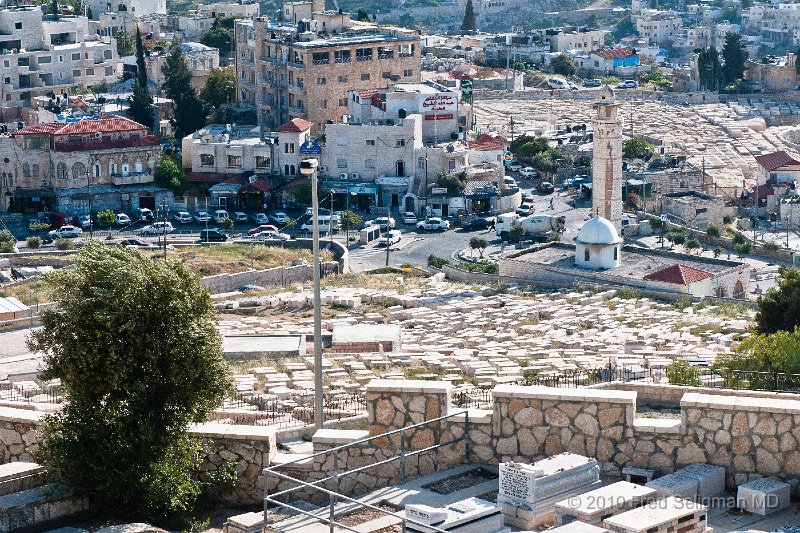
<point>262,227</point>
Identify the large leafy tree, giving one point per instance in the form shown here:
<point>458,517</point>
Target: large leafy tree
<point>168,174</point>
<point>734,56</point>
<point>637,148</point>
<point>141,100</point>
<point>469,23</point>
<point>220,87</point>
<point>761,359</point>
<point>189,114</point>
<point>139,357</point>
<point>563,64</point>
<point>779,307</point>
<point>709,69</point>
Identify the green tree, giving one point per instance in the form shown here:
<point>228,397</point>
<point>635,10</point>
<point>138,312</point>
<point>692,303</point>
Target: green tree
<point>713,232</point>
<point>227,224</point>
<point>125,46</point>
<point>141,100</point>
<point>406,20</point>
<point>718,251</point>
<point>437,262</point>
<point>105,218</point>
<point>219,38</point>
<point>34,242</point>
<point>779,307</point>
<point>691,244</point>
<point>454,183</point>
<point>469,24</point>
<point>349,220</point>
<point>7,242</point>
<point>563,64</point>
<point>477,243</point>
<point>709,69</point>
<point>676,237</point>
<point>527,147</point>
<point>220,87</point>
<point>743,249</point>
<point>682,373</point>
<point>770,354</point>
<point>168,174</point>
<point>655,223</point>
<point>637,148</point>
<point>739,238</point>
<point>734,56</point>
<point>362,15</point>
<point>137,352</point>
<point>189,114</point>
<point>516,232</point>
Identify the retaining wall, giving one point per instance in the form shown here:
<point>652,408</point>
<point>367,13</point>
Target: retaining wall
<point>272,276</point>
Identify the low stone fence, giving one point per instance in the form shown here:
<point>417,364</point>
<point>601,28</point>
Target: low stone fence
<point>664,395</point>
<point>19,434</point>
<point>279,276</point>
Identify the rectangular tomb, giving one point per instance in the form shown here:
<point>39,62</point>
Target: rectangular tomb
<point>595,506</point>
<point>763,496</point>
<point>662,516</point>
<point>710,478</point>
<point>675,485</point>
<point>455,515</point>
<point>578,527</point>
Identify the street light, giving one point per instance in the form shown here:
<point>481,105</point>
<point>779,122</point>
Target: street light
<point>308,167</point>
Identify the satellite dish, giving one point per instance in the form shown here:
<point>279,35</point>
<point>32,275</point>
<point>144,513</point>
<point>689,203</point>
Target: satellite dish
<point>450,148</point>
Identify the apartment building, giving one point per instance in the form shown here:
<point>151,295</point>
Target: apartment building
<point>582,40</point>
<point>305,65</point>
<point>773,73</point>
<point>229,9</point>
<point>63,167</point>
<point>659,27</point>
<point>48,54</point>
<point>134,7</point>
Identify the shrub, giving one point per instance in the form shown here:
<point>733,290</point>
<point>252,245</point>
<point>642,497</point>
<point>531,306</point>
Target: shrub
<point>727,219</point>
<point>743,249</point>
<point>718,251</point>
<point>481,267</point>
<point>682,373</point>
<point>437,262</point>
<point>64,244</point>
<point>713,232</point>
<point>739,238</point>
<point>34,242</point>
<point>771,246</point>
<point>676,237</point>
<point>105,218</point>
<point>692,244</point>
<point>38,225</point>
<point>627,293</point>
<point>227,224</point>
<point>7,242</point>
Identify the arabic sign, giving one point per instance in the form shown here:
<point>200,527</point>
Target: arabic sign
<point>310,148</point>
<point>448,116</point>
<point>440,102</point>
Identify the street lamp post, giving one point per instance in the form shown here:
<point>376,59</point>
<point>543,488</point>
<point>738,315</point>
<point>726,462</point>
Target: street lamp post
<point>308,167</point>
<point>89,196</point>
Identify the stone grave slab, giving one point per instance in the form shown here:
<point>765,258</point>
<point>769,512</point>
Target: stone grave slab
<point>576,527</point>
<point>662,516</point>
<point>763,496</point>
<point>675,485</point>
<point>595,506</point>
<point>710,478</point>
<point>457,514</point>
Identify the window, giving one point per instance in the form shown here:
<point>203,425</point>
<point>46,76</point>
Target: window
<point>321,81</point>
<point>399,143</point>
<point>107,54</point>
<point>76,57</point>
<point>78,171</point>
<point>207,160</point>
<point>369,163</point>
<point>616,253</point>
<point>586,255</point>
<point>421,163</point>
<point>7,80</point>
<point>18,25</point>
<point>342,102</point>
<point>234,161</point>
<point>323,104</point>
<point>365,77</point>
<point>370,142</point>
<point>35,170</point>
<point>44,59</point>
<point>262,161</point>
<point>342,79</point>
<point>60,59</point>
<point>408,72</point>
<point>26,170</point>
<point>341,163</point>
<point>288,148</point>
<point>76,73</point>
<point>90,72</point>
<point>6,63</point>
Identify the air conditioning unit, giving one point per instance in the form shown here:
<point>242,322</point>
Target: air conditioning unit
<point>98,135</point>
<point>355,175</point>
<point>322,168</point>
<point>343,176</point>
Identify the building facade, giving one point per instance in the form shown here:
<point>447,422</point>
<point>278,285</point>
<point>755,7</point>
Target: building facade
<point>134,7</point>
<point>199,57</point>
<point>773,73</point>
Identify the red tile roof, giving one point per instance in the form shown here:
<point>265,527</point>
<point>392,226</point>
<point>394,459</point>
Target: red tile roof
<point>778,159</point>
<point>109,124</point>
<point>296,125</point>
<point>678,274</point>
<point>614,53</point>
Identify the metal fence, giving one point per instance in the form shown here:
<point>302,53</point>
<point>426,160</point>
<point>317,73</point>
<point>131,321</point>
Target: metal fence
<point>329,515</point>
<point>476,398</point>
<point>295,412</point>
<point>52,396</point>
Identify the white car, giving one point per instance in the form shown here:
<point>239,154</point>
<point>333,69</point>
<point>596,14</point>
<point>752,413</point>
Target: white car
<point>85,221</point>
<point>202,217</point>
<point>270,236</point>
<point>260,218</point>
<point>434,223</point>
<point>627,84</point>
<point>529,172</point>
<point>279,217</point>
<point>183,217</point>
<point>220,215</point>
<point>394,238</point>
<point>157,228</point>
<point>409,218</point>
<point>525,210</point>
<point>381,222</point>
<point>514,166</point>
<point>511,183</point>
<point>66,232</point>
<point>122,219</point>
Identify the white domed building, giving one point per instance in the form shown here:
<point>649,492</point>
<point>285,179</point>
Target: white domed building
<point>598,246</point>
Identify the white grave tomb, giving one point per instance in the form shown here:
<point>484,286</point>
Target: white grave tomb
<point>763,496</point>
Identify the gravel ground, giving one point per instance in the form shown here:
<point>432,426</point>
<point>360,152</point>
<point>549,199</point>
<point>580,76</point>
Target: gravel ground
<point>461,481</point>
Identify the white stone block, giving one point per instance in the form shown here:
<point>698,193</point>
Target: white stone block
<point>763,496</point>
<point>675,485</point>
<point>425,514</point>
<point>710,478</point>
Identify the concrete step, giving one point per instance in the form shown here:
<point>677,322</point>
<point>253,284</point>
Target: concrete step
<point>19,476</point>
<point>39,508</point>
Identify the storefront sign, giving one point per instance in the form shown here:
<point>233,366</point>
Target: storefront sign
<point>439,117</point>
<point>440,102</point>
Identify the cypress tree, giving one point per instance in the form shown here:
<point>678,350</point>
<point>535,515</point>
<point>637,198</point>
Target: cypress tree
<point>189,115</point>
<point>469,23</point>
<point>141,100</point>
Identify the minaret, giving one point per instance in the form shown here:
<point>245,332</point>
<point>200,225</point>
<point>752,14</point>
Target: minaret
<point>607,159</point>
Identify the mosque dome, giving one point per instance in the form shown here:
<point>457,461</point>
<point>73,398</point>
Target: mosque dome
<point>598,230</point>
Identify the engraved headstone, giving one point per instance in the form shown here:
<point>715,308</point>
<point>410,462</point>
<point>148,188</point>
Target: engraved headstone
<point>425,514</point>
<point>518,482</point>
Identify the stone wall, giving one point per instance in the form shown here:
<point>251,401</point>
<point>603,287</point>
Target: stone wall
<point>670,395</point>
<point>19,434</point>
<point>271,276</point>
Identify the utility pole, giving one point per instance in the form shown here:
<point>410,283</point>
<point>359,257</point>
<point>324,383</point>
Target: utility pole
<point>388,237</point>
<point>89,196</point>
<point>164,227</point>
<point>512,128</point>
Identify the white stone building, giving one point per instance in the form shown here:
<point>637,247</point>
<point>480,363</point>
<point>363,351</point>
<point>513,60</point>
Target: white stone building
<point>135,7</point>
<point>46,54</point>
<point>229,9</point>
<point>607,159</point>
<point>659,27</point>
<point>598,246</point>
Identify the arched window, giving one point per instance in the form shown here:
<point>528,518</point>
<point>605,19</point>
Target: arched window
<point>291,170</point>
<point>97,170</point>
<point>616,253</point>
<point>401,113</point>
<point>78,171</point>
<point>586,255</point>
<point>61,171</point>
<point>721,292</point>
<point>138,166</point>
<point>26,170</point>
<point>125,169</point>
<point>113,168</point>
<point>738,290</point>
<point>35,170</point>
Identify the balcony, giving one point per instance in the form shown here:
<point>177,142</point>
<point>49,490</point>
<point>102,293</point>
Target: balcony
<point>321,61</point>
<point>108,144</point>
<point>133,178</point>
<point>363,58</point>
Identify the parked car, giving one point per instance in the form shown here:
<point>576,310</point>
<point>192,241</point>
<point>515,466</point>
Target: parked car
<point>592,83</point>
<point>260,218</point>
<point>529,172</point>
<point>559,83</point>
<point>183,217</point>
<point>212,235</point>
<point>409,218</point>
<point>136,243</point>
<point>525,210</point>
<point>393,238</point>
<point>545,187</point>
<point>220,215</point>
<point>239,217</point>
<point>270,236</point>
<point>627,84</point>
<point>202,217</point>
<point>144,214</point>
<point>279,217</point>
<point>262,227</point>
<point>83,221</point>
<point>381,222</point>
<point>157,228</point>
<point>434,223</point>
<point>477,223</point>
<point>510,182</point>
<point>65,232</point>
<point>515,166</point>
<point>122,219</point>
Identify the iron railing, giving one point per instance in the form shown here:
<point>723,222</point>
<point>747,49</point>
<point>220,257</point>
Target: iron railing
<point>335,496</point>
<point>476,398</point>
<point>283,413</point>
<point>52,396</point>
